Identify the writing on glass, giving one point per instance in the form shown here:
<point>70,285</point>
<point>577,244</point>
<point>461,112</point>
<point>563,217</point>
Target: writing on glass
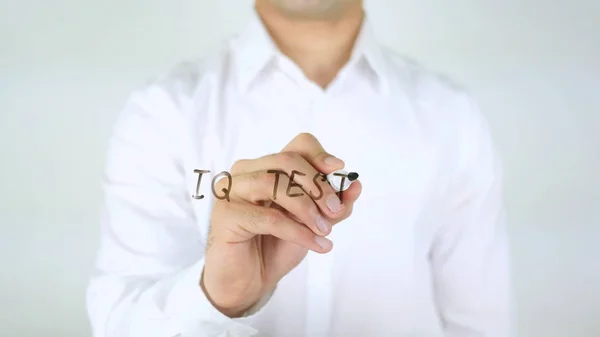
<point>224,193</point>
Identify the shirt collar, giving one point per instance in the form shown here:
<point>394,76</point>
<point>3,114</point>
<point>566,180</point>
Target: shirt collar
<point>254,49</point>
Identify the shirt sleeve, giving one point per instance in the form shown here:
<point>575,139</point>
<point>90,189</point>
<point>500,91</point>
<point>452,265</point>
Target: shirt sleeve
<point>470,254</point>
<point>146,281</point>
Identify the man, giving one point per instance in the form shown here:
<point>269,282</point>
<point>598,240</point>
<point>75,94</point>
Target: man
<point>420,246</point>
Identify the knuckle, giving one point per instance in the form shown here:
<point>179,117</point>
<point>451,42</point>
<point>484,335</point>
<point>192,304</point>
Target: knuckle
<point>265,178</point>
<point>288,158</point>
<point>255,178</point>
<point>284,180</point>
<point>253,221</point>
<point>321,155</point>
<point>237,166</point>
<point>305,137</point>
<point>261,181</point>
<point>273,217</point>
<point>253,224</point>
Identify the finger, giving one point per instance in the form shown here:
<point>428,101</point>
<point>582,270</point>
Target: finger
<point>352,194</point>
<point>349,196</point>
<point>260,186</point>
<point>309,147</point>
<point>304,178</point>
<point>242,221</point>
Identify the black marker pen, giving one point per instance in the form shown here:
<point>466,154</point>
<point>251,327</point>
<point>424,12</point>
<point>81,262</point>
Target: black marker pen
<point>336,178</point>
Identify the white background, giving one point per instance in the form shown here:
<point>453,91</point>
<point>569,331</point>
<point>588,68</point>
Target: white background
<point>66,67</point>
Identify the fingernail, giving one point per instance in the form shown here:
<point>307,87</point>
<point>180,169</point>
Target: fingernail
<point>322,225</point>
<point>333,161</point>
<point>324,243</point>
<point>333,203</point>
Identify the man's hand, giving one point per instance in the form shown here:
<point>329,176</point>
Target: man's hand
<point>254,239</point>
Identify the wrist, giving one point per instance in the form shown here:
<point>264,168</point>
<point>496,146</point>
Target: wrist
<point>229,308</point>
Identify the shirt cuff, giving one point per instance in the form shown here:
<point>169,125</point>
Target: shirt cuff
<point>188,305</point>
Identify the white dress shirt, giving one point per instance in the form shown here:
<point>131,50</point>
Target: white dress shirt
<point>423,254</point>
